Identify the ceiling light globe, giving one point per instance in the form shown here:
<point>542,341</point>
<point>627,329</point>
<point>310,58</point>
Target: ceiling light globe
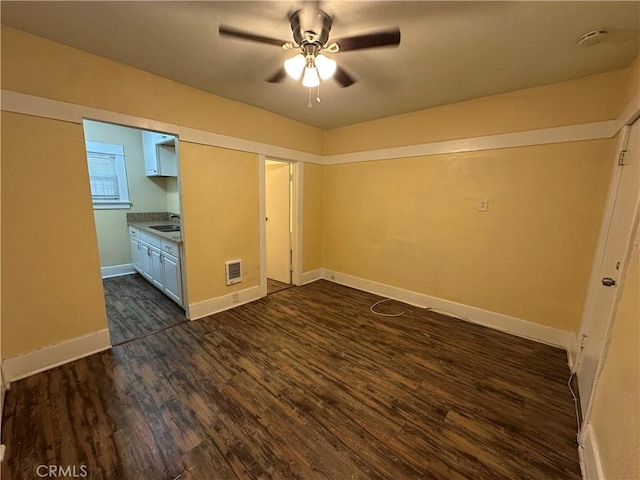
<point>294,66</point>
<point>311,78</point>
<point>326,66</point>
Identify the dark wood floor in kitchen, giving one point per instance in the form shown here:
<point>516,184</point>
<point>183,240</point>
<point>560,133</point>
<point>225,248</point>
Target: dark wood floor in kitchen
<point>307,384</point>
<point>136,308</point>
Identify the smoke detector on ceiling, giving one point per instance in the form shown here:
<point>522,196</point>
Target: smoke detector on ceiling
<point>592,38</point>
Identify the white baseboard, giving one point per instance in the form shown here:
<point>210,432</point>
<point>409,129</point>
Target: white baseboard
<point>312,276</point>
<point>497,321</point>
<point>220,304</point>
<point>51,356</point>
<point>572,352</point>
<point>589,455</point>
<point>117,270</point>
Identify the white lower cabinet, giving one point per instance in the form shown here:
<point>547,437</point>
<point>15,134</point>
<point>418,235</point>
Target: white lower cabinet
<point>157,260</point>
<point>172,277</point>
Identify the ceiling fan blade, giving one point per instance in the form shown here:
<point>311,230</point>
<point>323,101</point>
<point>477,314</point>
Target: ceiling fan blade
<point>371,40</point>
<point>278,76</point>
<point>232,32</point>
<point>343,78</point>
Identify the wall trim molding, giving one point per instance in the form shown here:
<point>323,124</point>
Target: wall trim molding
<point>589,454</point>
<point>51,356</point>
<point>117,270</point>
<point>220,304</point>
<point>497,321</point>
<point>573,352</point>
<point>312,276</point>
<point>543,136</point>
<point>58,110</point>
<point>69,112</point>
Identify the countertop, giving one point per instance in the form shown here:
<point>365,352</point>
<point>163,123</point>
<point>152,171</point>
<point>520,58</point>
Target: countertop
<point>146,226</point>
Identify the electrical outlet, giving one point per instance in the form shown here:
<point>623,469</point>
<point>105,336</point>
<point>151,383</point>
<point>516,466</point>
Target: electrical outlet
<point>483,205</point>
<point>235,298</point>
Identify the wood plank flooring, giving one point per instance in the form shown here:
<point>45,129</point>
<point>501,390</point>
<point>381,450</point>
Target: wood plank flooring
<point>304,384</point>
<point>136,308</point>
<point>274,286</point>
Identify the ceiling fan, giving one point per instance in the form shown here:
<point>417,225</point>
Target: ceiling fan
<point>311,28</point>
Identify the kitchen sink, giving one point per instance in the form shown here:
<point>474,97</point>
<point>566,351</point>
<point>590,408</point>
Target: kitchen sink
<point>167,228</point>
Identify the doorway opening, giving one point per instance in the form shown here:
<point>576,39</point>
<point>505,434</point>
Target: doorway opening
<point>279,193</point>
<point>134,184</point>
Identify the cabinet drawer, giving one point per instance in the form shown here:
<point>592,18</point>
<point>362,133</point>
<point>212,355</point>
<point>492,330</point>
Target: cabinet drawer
<point>150,239</point>
<point>170,247</point>
<point>134,232</point>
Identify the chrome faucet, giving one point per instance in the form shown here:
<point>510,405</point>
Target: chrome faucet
<point>174,215</point>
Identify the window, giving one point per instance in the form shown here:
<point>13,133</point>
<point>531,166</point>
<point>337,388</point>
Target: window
<point>107,176</point>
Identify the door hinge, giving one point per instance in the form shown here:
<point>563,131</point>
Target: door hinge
<point>621,157</point>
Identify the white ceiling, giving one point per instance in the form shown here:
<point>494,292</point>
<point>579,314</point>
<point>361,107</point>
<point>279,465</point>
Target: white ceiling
<point>450,51</point>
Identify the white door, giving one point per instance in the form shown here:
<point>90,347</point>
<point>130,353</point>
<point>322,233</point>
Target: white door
<point>277,192</point>
<point>604,286</point>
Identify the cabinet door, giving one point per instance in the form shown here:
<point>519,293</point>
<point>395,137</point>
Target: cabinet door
<point>151,166</point>
<point>172,277</point>
<point>144,259</point>
<point>167,162</point>
<point>155,267</point>
<point>135,254</point>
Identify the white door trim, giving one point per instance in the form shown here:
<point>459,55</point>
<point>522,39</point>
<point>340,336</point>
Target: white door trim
<point>262,215</point>
<point>298,208</point>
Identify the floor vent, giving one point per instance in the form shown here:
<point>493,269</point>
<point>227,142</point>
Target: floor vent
<point>233,270</point>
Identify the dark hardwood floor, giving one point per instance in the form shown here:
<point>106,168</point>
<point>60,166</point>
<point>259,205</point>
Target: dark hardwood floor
<point>136,308</point>
<point>305,384</point>
<point>274,286</point>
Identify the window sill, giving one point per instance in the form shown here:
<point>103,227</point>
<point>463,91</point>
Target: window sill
<point>115,205</point>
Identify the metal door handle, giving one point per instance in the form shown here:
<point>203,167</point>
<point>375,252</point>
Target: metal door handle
<point>608,282</point>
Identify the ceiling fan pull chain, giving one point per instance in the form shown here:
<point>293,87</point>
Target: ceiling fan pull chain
<point>318,94</point>
<point>309,104</point>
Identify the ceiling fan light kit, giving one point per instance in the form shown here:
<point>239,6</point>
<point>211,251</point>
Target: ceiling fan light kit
<point>311,28</point>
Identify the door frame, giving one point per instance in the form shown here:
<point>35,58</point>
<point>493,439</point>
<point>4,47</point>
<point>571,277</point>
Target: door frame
<point>296,204</point>
<point>594,279</point>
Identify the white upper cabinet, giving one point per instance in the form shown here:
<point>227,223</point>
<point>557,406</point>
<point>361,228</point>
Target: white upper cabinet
<point>160,158</point>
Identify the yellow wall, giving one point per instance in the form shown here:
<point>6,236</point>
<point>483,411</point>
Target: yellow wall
<point>632,90</point>
<point>37,66</point>
<point>313,180</point>
<point>616,408</point>
<point>220,220</point>
<point>414,223</point>
<point>51,289</point>
<point>590,99</point>
<point>147,194</point>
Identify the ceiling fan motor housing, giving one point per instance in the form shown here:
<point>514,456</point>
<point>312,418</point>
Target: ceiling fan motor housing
<point>310,27</point>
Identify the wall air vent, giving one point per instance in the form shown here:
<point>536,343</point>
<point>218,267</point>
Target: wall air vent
<point>233,271</point>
